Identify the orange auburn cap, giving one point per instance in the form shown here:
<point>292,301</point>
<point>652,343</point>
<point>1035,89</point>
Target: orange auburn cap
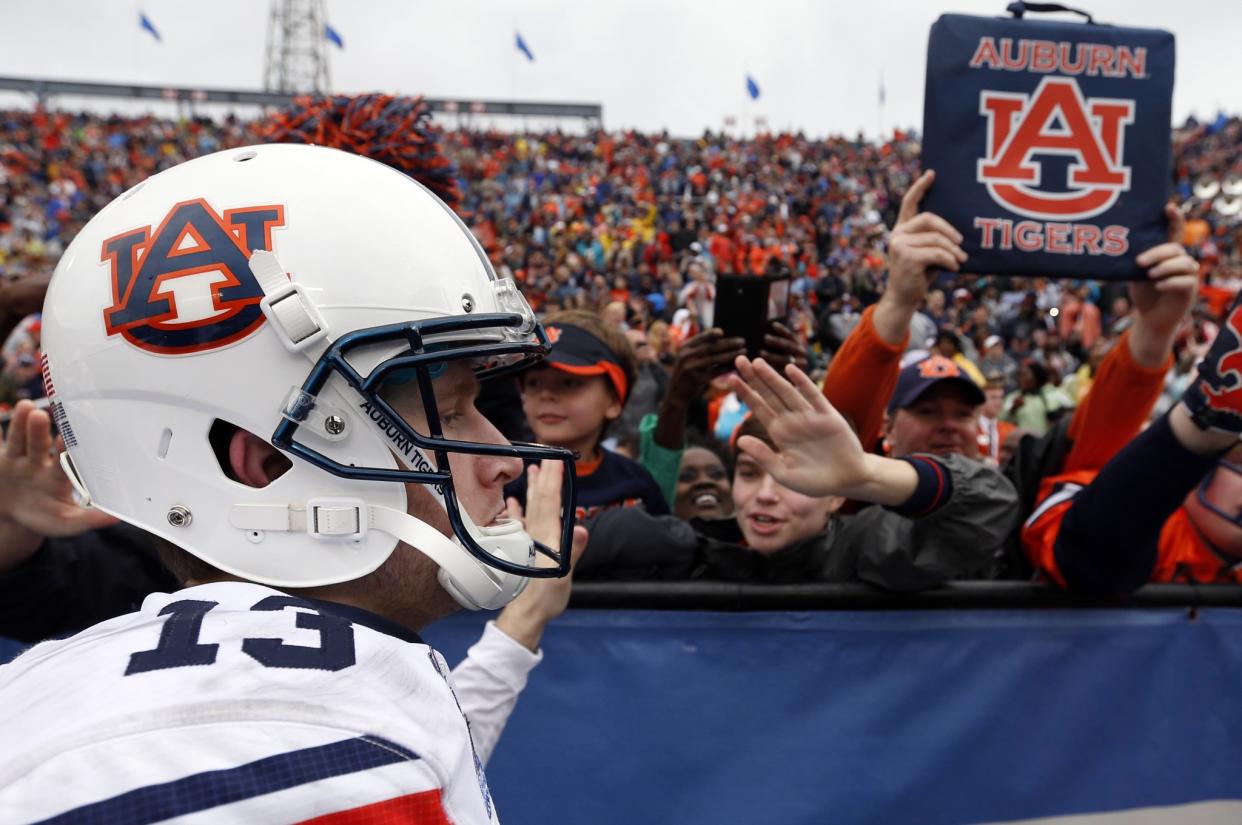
<point>578,352</point>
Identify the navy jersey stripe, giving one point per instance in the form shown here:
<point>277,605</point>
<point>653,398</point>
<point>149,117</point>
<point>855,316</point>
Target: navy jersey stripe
<point>202,791</point>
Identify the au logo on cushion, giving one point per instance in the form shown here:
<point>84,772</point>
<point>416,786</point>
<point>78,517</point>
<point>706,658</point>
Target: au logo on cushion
<point>1021,127</point>
<point>1050,142</point>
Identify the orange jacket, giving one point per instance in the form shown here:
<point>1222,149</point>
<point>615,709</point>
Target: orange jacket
<point>862,377</point>
<point>1112,413</point>
<point>1182,556</point>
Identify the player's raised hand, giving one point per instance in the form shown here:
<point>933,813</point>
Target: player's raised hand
<point>524,619</point>
<point>542,517</point>
<point>34,492</point>
<point>920,243</point>
<point>817,452</point>
<point>1163,300</point>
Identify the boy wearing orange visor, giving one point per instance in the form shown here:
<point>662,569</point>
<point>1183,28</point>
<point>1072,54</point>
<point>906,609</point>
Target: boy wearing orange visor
<point>572,397</point>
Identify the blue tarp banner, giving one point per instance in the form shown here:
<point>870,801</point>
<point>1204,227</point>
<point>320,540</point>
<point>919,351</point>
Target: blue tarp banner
<point>1051,142</point>
<point>936,717</point>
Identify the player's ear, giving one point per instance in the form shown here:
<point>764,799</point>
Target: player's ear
<point>253,461</point>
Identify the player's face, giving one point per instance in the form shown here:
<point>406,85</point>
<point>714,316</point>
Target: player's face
<point>942,422</point>
<point>567,410</point>
<point>477,480</point>
<point>1215,506</point>
<point>702,486</point>
<point>772,516</point>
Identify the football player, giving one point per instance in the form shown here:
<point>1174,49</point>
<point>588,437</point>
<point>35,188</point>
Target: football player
<point>268,358</point>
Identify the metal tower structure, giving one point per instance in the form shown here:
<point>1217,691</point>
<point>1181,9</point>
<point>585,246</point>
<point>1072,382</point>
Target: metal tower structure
<point>297,57</point>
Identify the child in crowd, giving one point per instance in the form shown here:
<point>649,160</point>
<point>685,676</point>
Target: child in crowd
<point>759,531</point>
<point>782,535</point>
<point>572,397</point>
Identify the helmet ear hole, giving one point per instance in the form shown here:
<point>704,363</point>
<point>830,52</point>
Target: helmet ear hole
<point>262,465</point>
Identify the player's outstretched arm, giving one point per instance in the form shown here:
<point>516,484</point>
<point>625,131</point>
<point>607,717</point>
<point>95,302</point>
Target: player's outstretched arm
<point>817,452</point>
<point>36,499</point>
<point>492,676</point>
<point>525,618</point>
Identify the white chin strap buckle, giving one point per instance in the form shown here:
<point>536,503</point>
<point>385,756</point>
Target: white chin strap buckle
<point>337,518</point>
<point>329,519</point>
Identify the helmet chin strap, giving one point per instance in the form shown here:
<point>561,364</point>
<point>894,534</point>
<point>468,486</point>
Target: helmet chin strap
<point>470,581</point>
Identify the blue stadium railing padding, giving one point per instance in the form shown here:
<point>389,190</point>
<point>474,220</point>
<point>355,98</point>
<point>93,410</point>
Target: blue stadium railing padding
<point>715,704</point>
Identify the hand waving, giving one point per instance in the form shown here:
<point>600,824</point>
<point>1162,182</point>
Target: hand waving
<point>524,619</point>
<point>34,492</point>
<point>817,453</point>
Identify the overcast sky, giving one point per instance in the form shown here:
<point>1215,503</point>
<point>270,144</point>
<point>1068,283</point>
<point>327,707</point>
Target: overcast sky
<point>652,64</point>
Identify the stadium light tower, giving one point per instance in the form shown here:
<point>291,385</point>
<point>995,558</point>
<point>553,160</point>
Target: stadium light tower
<point>297,58</point>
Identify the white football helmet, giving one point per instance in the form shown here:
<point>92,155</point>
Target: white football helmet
<point>275,288</point>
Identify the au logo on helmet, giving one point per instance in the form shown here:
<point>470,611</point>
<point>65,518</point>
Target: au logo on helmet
<point>1055,120</point>
<point>186,287</point>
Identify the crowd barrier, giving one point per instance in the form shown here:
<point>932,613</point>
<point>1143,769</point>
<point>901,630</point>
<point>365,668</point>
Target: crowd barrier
<point>979,702</point>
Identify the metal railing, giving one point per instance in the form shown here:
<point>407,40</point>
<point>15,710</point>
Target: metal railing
<point>720,596</point>
<point>44,88</point>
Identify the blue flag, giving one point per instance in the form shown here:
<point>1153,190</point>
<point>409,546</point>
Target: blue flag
<point>752,88</point>
<point>524,49</point>
<point>333,36</point>
<point>145,24</point>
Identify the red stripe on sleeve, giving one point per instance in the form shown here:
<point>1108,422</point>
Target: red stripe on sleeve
<point>940,485</point>
<point>423,808</point>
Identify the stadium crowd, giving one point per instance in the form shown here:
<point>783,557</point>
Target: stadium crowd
<point>642,221</point>
<point>617,241</point>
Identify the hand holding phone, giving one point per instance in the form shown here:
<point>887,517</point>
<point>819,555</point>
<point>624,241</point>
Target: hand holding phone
<point>746,305</point>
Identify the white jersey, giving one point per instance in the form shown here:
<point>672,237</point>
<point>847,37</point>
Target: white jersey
<point>234,702</point>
